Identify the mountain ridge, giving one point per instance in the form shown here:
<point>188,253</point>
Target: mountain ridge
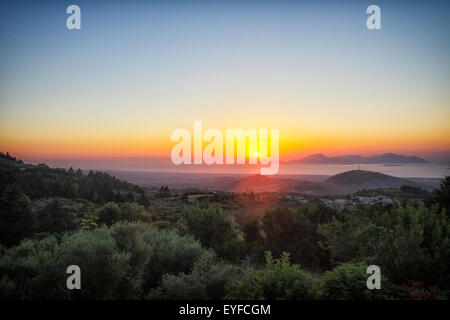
<point>385,158</point>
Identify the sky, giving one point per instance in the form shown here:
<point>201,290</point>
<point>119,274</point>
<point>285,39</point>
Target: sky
<point>137,70</point>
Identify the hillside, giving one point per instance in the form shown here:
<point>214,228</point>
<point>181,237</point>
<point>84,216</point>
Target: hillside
<point>356,180</point>
<point>40,181</point>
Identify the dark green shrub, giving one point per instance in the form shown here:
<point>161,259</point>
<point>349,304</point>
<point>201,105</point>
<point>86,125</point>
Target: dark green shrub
<point>134,212</point>
<point>22,268</point>
<point>109,213</point>
<point>295,232</point>
<point>278,280</point>
<point>207,280</point>
<point>116,263</point>
<point>348,282</point>
<point>214,229</point>
<point>104,267</point>
<point>405,241</point>
<point>169,253</point>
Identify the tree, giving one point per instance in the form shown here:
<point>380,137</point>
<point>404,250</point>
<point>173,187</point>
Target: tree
<point>73,192</point>
<point>252,232</point>
<point>132,211</point>
<point>213,228</point>
<point>109,213</point>
<point>164,192</point>
<point>442,195</point>
<point>405,241</point>
<point>254,239</point>
<point>295,232</point>
<point>16,218</point>
<point>54,218</point>
<point>143,200</point>
<point>169,253</point>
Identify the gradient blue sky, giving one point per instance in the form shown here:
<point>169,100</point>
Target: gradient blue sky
<point>139,69</point>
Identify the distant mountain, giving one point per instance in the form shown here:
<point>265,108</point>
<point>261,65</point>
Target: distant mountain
<point>392,158</point>
<point>342,183</point>
<point>386,158</point>
<point>356,180</point>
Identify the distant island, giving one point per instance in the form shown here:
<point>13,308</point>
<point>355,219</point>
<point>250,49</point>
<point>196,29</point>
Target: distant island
<point>386,158</point>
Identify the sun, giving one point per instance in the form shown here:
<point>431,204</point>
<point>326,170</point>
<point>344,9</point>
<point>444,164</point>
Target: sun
<point>255,154</point>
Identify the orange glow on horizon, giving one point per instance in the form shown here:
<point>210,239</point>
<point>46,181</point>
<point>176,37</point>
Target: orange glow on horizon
<point>31,139</point>
<point>290,148</point>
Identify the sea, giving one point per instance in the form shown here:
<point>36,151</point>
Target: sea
<point>427,170</point>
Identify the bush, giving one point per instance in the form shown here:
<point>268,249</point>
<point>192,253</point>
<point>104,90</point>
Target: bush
<point>348,282</point>
<point>22,268</point>
<point>214,229</point>
<point>38,267</point>
<point>119,262</point>
<point>129,237</point>
<point>106,270</point>
<point>169,253</point>
<point>109,213</point>
<point>278,280</point>
<point>134,212</point>
<point>405,241</point>
<point>207,281</point>
<point>295,232</point>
